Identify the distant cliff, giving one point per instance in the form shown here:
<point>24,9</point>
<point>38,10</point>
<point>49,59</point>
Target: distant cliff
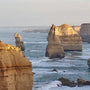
<point>85,32</point>
<point>15,69</point>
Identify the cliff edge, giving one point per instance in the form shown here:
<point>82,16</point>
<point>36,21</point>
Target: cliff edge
<point>15,69</point>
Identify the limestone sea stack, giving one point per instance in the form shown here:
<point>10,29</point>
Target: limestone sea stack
<point>85,32</point>
<point>62,38</point>
<point>19,42</point>
<point>54,48</point>
<point>15,69</point>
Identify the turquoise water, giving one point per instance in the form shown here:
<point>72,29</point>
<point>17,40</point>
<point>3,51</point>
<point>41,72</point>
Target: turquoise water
<point>73,66</point>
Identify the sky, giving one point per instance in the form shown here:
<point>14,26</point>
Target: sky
<point>44,12</point>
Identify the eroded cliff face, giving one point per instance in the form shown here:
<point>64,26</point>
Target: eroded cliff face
<point>15,69</point>
<point>54,48</point>
<point>19,42</point>
<point>63,38</point>
<point>76,28</point>
<point>85,32</point>
<point>70,39</point>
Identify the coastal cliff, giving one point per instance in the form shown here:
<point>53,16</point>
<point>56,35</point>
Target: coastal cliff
<point>19,42</point>
<point>15,69</point>
<point>85,32</point>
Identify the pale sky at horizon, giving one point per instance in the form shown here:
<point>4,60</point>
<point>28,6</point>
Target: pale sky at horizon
<point>44,12</point>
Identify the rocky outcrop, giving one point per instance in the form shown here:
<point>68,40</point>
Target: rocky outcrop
<point>15,69</point>
<point>62,38</point>
<point>82,82</point>
<point>76,28</point>
<point>85,32</point>
<point>19,42</point>
<point>67,82</point>
<point>54,48</point>
<point>88,62</point>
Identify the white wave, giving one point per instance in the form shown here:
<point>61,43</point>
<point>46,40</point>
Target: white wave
<point>34,50</point>
<point>39,61</point>
<point>84,57</point>
<point>49,85</point>
<point>35,42</point>
<point>69,88</point>
<point>53,86</point>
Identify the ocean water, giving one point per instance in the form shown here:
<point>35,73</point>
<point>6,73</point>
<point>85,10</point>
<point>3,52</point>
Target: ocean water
<point>73,66</point>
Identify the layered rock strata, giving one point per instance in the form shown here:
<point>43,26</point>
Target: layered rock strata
<point>15,69</point>
<point>76,28</point>
<point>85,32</point>
<point>62,38</point>
<point>70,39</point>
<point>19,42</point>
<point>54,48</point>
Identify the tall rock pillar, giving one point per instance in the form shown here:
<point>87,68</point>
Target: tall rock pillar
<point>19,42</point>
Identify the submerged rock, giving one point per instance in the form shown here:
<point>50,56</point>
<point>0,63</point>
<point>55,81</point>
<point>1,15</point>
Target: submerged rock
<point>54,48</point>
<point>54,70</point>
<point>15,69</point>
<point>82,82</point>
<point>67,82</point>
<point>19,42</point>
<point>85,32</point>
